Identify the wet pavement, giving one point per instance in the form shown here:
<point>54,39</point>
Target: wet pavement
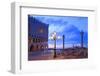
<point>60,54</point>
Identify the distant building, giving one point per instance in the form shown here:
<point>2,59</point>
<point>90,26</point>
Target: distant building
<point>37,34</point>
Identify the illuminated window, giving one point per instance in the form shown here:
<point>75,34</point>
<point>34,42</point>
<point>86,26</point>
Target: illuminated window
<point>41,30</point>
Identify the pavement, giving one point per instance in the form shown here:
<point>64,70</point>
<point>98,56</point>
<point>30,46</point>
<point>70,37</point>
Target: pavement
<point>66,54</point>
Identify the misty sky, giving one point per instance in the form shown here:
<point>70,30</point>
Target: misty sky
<point>70,26</point>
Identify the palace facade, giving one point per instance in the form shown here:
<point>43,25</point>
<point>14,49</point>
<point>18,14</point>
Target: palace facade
<point>37,34</point>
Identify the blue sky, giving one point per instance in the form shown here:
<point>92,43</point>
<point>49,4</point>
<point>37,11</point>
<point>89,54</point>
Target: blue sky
<point>70,26</point>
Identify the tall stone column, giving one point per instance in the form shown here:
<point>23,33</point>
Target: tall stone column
<point>63,41</point>
<point>81,33</point>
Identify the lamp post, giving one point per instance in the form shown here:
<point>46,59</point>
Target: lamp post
<point>54,38</point>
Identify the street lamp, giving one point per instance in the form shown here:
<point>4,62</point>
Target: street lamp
<point>54,37</point>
